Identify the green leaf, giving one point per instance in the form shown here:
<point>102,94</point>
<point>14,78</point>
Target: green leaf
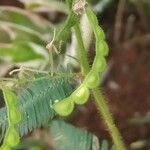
<point>19,52</point>
<point>20,25</point>
<point>67,137</point>
<point>35,100</point>
<point>104,145</point>
<point>45,6</point>
<point>64,32</point>
<point>24,18</point>
<point>70,22</point>
<point>17,33</point>
<point>4,35</point>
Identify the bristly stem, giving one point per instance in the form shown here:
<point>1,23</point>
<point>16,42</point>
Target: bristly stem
<point>99,98</point>
<point>106,115</point>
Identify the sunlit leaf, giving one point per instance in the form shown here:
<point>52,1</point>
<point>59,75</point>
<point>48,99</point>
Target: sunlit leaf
<point>45,5</point>
<point>19,52</point>
<point>18,33</point>
<point>24,18</point>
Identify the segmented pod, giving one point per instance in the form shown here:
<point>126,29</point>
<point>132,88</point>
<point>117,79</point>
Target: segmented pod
<point>93,19</point>
<point>81,95</point>
<point>99,33</point>
<point>10,97</point>
<point>102,48</point>
<point>11,138</point>
<point>5,147</point>
<point>99,64</point>
<point>14,115</point>
<point>92,80</point>
<point>64,107</point>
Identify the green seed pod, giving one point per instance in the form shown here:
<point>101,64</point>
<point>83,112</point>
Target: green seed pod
<point>99,33</point>
<point>99,64</point>
<point>5,147</point>
<point>64,107</point>
<point>92,79</point>
<point>12,137</point>
<point>10,97</point>
<point>14,115</point>
<point>92,16</point>
<point>81,95</point>
<point>102,48</point>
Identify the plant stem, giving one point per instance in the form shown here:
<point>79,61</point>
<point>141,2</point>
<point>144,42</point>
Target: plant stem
<point>99,98</point>
<point>106,115</point>
<point>83,54</point>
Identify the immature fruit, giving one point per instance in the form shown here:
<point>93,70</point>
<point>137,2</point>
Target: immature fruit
<point>14,115</point>
<point>99,64</point>
<point>92,79</point>
<point>9,97</point>
<point>91,16</point>
<point>64,107</point>
<point>100,35</point>
<point>102,48</point>
<point>12,137</point>
<point>5,147</point>
<point>81,95</point>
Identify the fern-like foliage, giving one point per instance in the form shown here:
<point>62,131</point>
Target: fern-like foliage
<point>35,99</point>
<point>61,134</point>
<point>65,136</point>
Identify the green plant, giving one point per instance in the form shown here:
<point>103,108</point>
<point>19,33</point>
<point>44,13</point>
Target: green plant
<point>14,117</point>
<point>57,90</point>
<point>80,95</point>
<point>92,77</point>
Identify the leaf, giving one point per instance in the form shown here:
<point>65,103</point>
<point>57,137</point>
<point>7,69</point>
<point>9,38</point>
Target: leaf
<point>70,22</point>
<point>35,99</point>
<point>106,146</point>
<point>19,52</point>
<point>4,35</point>
<point>24,18</point>
<point>20,25</point>
<point>17,33</point>
<point>67,137</point>
<point>45,5</point>
<point>64,32</point>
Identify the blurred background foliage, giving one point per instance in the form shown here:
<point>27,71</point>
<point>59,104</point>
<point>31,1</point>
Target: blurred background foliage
<point>27,26</point>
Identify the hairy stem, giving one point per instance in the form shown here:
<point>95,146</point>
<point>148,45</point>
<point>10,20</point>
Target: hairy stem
<point>106,115</point>
<point>99,98</point>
